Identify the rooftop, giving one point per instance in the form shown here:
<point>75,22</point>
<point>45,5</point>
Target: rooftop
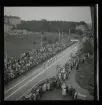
<point>16,17</point>
<point>8,24</point>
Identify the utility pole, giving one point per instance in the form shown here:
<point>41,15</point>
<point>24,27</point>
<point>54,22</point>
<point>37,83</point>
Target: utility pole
<point>69,31</point>
<point>59,35</point>
<point>41,40</point>
<point>62,35</point>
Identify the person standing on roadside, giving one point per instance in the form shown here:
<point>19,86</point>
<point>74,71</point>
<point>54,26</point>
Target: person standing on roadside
<point>75,95</point>
<point>64,76</point>
<point>77,67</point>
<point>63,89</point>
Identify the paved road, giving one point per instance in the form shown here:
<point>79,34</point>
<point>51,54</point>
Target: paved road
<point>19,86</point>
<point>72,81</point>
<point>55,94</point>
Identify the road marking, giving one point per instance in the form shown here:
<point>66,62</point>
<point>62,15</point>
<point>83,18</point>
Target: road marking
<point>25,79</point>
<point>30,89</point>
<point>20,82</point>
<point>32,86</point>
<point>34,77</point>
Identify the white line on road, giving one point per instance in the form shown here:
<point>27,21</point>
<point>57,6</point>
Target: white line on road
<point>34,77</point>
<point>21,81</point>
<point>34,85</point>
<point>30,89</point>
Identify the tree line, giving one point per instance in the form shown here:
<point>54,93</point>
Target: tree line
<point>49,26</point>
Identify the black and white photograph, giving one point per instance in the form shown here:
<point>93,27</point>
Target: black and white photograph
<point>49,53</point>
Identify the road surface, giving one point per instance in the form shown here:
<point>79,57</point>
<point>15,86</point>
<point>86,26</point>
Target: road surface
<point>55,94</point>
<point>19,86</point>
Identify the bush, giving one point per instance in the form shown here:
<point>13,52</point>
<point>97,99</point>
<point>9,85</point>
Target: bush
<point>86,46</point>
<point>73,30</point>
<point>56,39</point>
<point>44,43</point>
<point>44,38</point>
<point>80,32</point>
<point>91,91</point>
<point>34,42</point>
<point>50,41</point>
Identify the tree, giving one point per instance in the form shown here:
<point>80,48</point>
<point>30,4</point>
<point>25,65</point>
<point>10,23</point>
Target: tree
<point>13,27</point>
<point>45,26</point>
<point>80,32</point>
<point>50,41</point>
<point>86,46</point>
<point>56,39</point>
<point>73,30</point>
<point>44,38</point>
<point>34,42</point>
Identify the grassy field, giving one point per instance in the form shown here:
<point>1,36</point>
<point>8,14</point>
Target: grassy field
<point>85,75</point>
<point>18,44</point>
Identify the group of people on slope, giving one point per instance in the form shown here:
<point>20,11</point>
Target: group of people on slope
<point>16,66</point>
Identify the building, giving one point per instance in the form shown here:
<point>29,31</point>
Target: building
<point>7,27</point>
<point>14,20</point>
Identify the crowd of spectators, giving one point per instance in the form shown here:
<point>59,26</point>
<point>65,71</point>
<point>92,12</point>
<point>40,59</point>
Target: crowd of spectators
<point>15,66</point>
<point>59,81</point>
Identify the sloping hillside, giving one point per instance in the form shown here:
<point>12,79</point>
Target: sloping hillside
<point>16,45</point>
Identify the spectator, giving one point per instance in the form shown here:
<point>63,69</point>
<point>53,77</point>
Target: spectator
<point>63,89</point>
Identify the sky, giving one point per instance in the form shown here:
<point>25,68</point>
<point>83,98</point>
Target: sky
<point>76,14</point>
